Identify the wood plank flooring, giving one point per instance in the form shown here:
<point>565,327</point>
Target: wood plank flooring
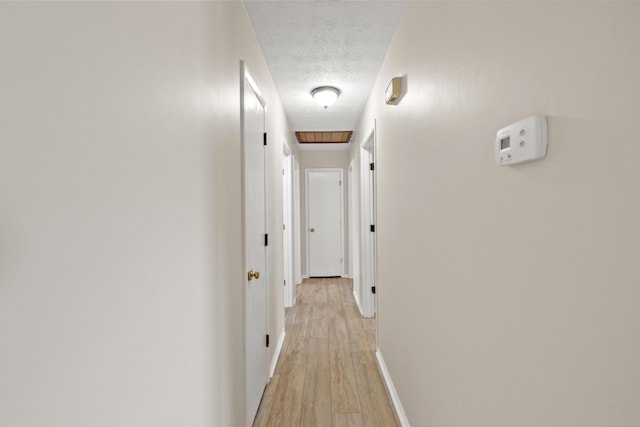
<point>327,373</point>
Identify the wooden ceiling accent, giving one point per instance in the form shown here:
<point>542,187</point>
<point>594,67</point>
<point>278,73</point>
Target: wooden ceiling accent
<point>342,137</point>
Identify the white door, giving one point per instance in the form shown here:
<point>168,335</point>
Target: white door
<point>372,235</point>
<point>287,227</point>
<point>255,283</point>
<point>324,222</point>
<point>297,231</point>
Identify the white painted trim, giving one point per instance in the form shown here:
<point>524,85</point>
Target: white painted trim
<point>367,217</point>
<point>285,147</point>
<point>297,228</point>
<point>287,221</point>
<point>395,399</point>
<point>354,227</point>
<point>276,353</point>
<point>305,276</point>
<point>247,75</point>
<point>357,298</point>
<point>325,147</point>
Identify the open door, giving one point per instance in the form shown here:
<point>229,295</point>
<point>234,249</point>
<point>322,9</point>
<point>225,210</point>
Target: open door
<point>368,226</point>
<point>288,230</point>
<point>255,253</point>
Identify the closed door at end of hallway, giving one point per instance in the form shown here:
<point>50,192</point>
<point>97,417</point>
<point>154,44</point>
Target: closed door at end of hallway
<point>324,235</point>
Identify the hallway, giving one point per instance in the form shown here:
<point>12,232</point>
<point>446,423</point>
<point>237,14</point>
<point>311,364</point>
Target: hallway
<point>327,373</point>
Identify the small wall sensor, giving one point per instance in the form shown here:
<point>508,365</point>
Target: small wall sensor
<point>522,141</point>
<point>393,92</point>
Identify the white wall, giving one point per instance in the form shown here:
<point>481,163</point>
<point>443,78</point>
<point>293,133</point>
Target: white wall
<point>322,159</point>
<point>509,296</point>
<point>120,220</point>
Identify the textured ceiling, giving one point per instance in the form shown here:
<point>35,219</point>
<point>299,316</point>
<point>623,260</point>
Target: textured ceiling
<point>318,43</point>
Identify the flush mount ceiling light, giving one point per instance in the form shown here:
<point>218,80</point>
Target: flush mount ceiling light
<point>325,95</point>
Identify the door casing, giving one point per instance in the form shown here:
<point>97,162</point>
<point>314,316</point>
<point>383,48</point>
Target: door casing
<point>288,230</point>
<point>367,219</point>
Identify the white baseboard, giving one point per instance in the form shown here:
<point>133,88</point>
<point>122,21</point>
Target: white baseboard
<point>359,304</point>
<point>304,276</point>
<point>276,354</point>
<point>395,399</point>
<point>357,298</point>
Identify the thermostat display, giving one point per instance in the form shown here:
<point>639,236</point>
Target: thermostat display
<point>522,141</point>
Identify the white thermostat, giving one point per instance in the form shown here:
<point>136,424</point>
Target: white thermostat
<point>522,141</point>
<point>393,92</point>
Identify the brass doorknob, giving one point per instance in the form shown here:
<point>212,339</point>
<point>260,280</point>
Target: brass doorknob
<point>312,229</point>
<point>253,275</point>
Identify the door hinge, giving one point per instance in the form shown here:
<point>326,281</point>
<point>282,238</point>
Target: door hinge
<point>340,182</point>
<point>267,340</point>
<point>265,138</point>
<point>284,227</point>
<point>371,166</point>
<point>285,283</point>
<point>266,240</point>
<point>372,228</point>
<point>373,291</point>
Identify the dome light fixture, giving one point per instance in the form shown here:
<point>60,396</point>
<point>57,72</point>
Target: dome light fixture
<point>325,95</point>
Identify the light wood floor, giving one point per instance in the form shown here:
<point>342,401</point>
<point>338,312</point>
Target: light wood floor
<point>327,373</point>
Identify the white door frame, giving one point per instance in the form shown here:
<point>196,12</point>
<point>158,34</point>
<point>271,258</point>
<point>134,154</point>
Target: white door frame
<point>311,170</point>
<point>297,227</point>
<point>245,78</point>
<point>354,233</point>
<point>288,230</point>
<point>368,218</point>
<point>350,220</point>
